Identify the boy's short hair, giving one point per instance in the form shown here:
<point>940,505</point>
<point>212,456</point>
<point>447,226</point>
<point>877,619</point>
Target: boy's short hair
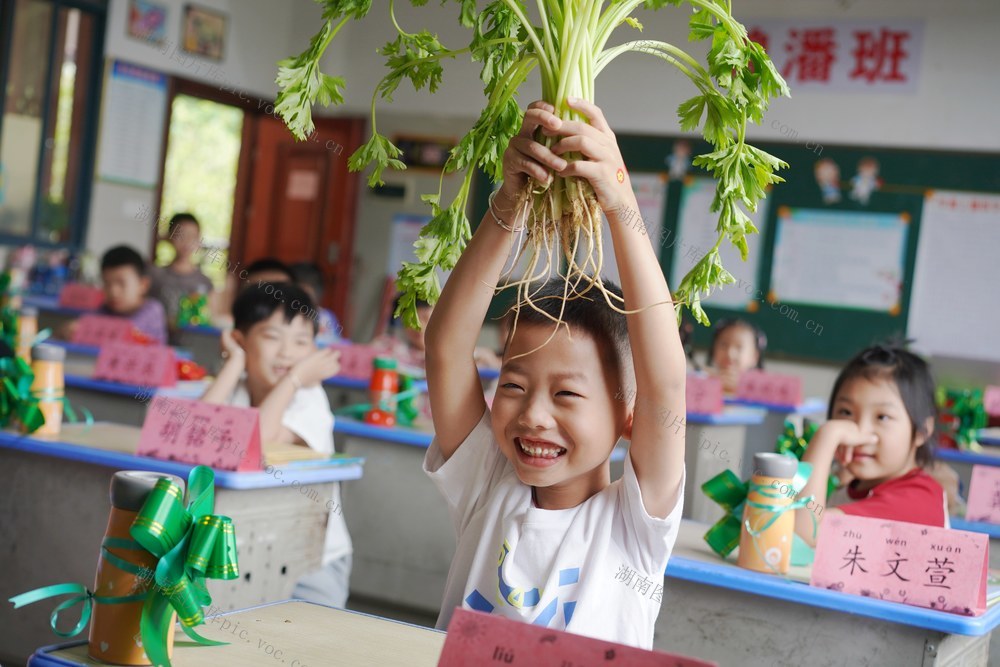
<point>179,219</point>
<point>309,273</point>
<point>123,255</point>
<point>270,264</point>
<point>590,314</point>
<point>256,304</point>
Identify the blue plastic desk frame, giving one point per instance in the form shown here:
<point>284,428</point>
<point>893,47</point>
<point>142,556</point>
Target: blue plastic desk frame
<point>969,458</point>
<point>93,350</point>
<point>807,407</point>
<point>41,658</point>
<point>755,583</point>
<point>990,529</point>
<point>344,470</point>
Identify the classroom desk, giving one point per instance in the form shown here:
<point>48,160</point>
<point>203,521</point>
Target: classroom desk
<point>763,437</point>
<point>990,529</point>
<point>202,341</point>
<point>962,461</point>
<point>56,511</point>
<point>718,611</point>
<point>294,633</point>
<point>715,443</point>
<point>114,401</point>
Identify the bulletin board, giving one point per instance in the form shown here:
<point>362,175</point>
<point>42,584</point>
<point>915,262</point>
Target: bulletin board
<point>877,196</point>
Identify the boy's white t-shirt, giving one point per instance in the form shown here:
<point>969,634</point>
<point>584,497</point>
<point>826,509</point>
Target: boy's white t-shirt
<point>308,416</point>
<point>595,569</point>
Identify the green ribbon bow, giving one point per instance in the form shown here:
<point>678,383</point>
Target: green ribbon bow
<point>16,399</point>
<point>192,309</point>
<point>790,442</point>
<point>191,544</point>
<point>731,494</point>
<point>964,414</point>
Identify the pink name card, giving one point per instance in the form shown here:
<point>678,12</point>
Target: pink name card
<point>991,401</point>
<point>99,330</point>
<point>772,388</point>
<point>129,363</point>
<point>923,566</point>
<point>219,436</point>
<point>356,361</point>
<point>984,495</point>
<point>83,297</point>
<point>475,638</point>
<point>703,395</point>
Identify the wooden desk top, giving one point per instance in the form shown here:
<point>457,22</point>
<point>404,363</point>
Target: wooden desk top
<point>306,634</point>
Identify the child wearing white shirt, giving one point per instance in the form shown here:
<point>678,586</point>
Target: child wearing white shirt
<point>272,364</point>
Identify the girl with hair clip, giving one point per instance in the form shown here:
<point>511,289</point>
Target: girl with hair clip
<point>880,428</point>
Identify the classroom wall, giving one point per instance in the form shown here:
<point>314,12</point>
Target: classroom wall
<point>953,107</point>
<point>260,32</point>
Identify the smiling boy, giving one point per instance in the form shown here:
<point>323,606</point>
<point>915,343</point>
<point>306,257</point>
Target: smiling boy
<point>544,535</point>
<point>272,364</point>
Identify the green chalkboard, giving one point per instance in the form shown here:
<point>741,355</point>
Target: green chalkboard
<point>798,330</point>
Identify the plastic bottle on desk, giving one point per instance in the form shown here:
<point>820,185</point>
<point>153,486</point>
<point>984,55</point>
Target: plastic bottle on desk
<point>49,385</point>
<point>769,547</point>
<point>382,389</point>
<point>27,329</point>
<point>114,631</point>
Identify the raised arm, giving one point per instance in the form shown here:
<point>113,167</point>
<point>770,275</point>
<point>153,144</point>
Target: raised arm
<point>456,393</point>
<point>658,431</point>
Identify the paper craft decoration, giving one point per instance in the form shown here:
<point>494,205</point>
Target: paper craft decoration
<point>923,566</point>
<point>128,363</point>
<point>97,330</point>
<point>475,638</point>
<point>356,360</point>
<point>984,495</point>
<point>219,436</point>
<point>770,388</point>
<point>83,297</point>
<point>991,401</point>
<point>703,395</point>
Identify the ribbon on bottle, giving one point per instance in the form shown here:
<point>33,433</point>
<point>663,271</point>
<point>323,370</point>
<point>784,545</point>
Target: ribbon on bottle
<point>962,415</point>
<point>801,554</point>
<point>730,493</point>
<point>18,400</point>
<point>406,411</point>
<point>191,544</point>
<point>192,310</point>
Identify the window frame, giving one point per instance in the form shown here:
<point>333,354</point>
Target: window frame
<point>79,208</point>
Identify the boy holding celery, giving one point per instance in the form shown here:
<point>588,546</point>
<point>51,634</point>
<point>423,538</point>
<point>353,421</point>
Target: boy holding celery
<point>544,535</point>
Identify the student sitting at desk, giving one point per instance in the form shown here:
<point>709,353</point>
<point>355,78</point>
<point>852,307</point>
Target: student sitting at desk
<point>544,535</point>
<point>881,429</point>
<point>737,347</point>
<point>125,281</point>
<point>182,276</point>
<point>272,364</point>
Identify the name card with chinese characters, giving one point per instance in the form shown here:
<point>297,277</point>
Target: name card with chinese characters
<point>991,401</point>
<point>923,566</point>
<point>99,330</point>
<point>477,638</point>
<point>83,297</point>
<point>153,365</point>
<point>219,436</point>
<point>355,361</point>
<point>984,495</point>
<point>703,395</point>
<point>771,388</point>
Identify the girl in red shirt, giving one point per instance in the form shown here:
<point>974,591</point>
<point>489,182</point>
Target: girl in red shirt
<point>880,429</point>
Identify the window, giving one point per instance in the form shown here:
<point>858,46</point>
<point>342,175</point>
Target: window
<point>50,66</point>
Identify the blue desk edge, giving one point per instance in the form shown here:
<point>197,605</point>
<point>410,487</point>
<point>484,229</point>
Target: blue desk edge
<point>733,578</point>
<point>347,469</point>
